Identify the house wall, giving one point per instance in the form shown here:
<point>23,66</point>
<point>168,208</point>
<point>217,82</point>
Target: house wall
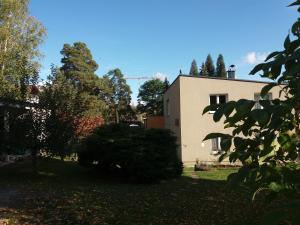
<point>193,94</point>
<point>172,114</point>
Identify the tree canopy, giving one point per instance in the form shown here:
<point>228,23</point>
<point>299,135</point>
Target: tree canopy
<point>194,71</point>
<point>150,97</point>
<point>120,98</point>
<point>79,67</point>
<point>210,67</point>
<point>221,68</point>
<point>20,37</point>
<point>203,71</point>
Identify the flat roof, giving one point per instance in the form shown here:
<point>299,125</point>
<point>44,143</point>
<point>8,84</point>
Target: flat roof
<point>217,78</point>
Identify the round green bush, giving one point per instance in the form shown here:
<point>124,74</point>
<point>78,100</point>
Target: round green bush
<point>143,155</point>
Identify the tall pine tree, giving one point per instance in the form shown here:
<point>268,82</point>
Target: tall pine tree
<point>203,70</point>
<point>194,69</point>
<point>221,69</point>
<point>211,71</point>
<point>79,67</point>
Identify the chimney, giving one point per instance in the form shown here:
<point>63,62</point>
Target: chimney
<point>231,72</point>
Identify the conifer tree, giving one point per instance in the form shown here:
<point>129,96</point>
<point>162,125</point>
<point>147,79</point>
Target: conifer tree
<point>194,69</point>
<point>221,69</point>
<point>166,83</point>
<point>120,98</point>
<point>203,70</point>
<point>210,66</point>
<point>79,67</point>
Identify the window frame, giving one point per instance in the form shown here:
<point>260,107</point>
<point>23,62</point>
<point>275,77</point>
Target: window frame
<point>217,100</point>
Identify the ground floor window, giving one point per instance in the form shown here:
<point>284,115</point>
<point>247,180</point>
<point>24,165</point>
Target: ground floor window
<point>216,146</point>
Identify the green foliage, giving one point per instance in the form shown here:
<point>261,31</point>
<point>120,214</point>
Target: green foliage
<point>120,97</point>
<point>166,83</point>
<point>210,67</point>
<point>138,154</point>
<point>150,98</point>
<point>194,69</point>
<point>221,69</point>
<point>20,36</point>
<point>267,140</point>
<point>58,98</point>
<point>203,71</point>
<point>79,68</point>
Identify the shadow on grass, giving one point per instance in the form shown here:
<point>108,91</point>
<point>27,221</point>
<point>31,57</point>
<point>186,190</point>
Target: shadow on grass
<point>65,193</point>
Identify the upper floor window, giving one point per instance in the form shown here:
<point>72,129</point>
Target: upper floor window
<point>257,98</point>
<point>217,99</point>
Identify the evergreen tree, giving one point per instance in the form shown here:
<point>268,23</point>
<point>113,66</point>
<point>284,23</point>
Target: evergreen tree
<point>167,84</point>
<point>79,65</point>
<point>194,69</point>
<point>210,66</point>
<point>221,69</point>
<point>120,98</point>
<point>79,68</point>
<point>203,70</point>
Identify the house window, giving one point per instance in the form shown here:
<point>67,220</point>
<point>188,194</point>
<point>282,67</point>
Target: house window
<point>257,98</point>
<point>168,107</point>
<point>217,99</point>
<point>216,146</point>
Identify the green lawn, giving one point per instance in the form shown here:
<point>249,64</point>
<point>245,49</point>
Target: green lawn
<point>64,193</point>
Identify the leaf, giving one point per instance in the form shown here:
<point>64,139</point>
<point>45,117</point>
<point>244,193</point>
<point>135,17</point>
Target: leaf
<point>272,55</point>
<point>226,144</point>
<point>275,71</point>
<point>243,106</point>
<point>287,42</point>
<point>265,90</point>
<point>295,3</point>
<point>258,68</point>
<point>261,116</point>
<point>276,187</point>
<point>296,28</point>
<point>219,113</point>
<point>229,107</point>
<point>210,108</point>
<point>215,135</point>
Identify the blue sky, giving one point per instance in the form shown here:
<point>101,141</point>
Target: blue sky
<point>160,37</point>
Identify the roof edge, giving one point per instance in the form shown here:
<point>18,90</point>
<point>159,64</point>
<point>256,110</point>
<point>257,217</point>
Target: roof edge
<point>217,78</point>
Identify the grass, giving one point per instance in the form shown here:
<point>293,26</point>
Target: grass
<point>64,193</point>
<point>217,174</point>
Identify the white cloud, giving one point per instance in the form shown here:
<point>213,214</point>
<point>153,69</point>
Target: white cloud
<point>160,76</point>
<point>255,57</point>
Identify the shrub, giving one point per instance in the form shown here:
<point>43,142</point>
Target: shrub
<point>143,155</point>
